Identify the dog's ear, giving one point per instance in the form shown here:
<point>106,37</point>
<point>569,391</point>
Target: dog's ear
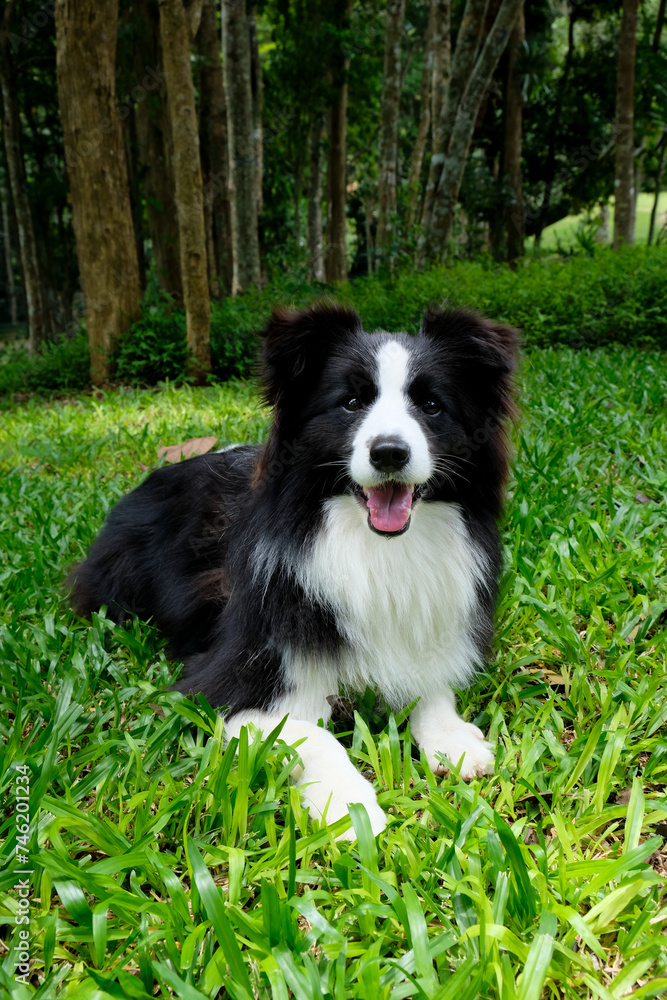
<point>495,346</point>
<point>296,346</point>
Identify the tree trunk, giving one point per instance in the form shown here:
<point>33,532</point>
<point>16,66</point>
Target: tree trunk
<point>624,126</point>
<point>638,180</point>
<point>33,284</point>
<point>391,93</point>
<point>432,42</point>
<point>243,155</point>
<point>550,165</point>
<point>513,135</point>
<point>368,212</point>
<point>315,197</point>
<point>7,248</point>
<point>336,253</point>
<point>213,138</point>
<point>440,15</point>
<point>449,96</point>
<point>659,25</point>
<point>175,37</point>
<point>464,124</point>
<point>95,158</point>
<point>335,263</point>
<point>131,144</point>
<point>297,174</point>
<point>662,145</point>
<point>602,234</point>
<point>257,103</point>
<point>156,151</point>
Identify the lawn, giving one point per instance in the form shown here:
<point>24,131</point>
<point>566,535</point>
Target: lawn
<point>563,233</point>
<point>162,862</point>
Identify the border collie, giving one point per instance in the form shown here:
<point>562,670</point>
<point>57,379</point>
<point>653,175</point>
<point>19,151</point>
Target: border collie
<point>359,546</point>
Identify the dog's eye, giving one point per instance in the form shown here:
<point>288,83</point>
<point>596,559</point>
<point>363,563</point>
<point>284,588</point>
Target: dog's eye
<point>352,404</point>
<point>431,407</point>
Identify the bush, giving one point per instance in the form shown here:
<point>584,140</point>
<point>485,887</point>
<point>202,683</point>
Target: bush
<point>155,348</point>
<point>63,366</point>
<point>575,301</point>
<point>587,300</point>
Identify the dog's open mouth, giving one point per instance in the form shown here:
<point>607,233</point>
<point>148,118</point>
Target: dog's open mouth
<point>389,506</point>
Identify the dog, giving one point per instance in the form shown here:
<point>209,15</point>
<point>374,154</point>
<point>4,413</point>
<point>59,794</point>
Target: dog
<point>358,547</point>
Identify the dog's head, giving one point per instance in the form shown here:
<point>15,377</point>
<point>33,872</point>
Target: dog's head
<point>391,418</point>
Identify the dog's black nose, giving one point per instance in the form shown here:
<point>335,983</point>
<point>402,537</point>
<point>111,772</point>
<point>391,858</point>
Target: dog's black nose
<point>389,454</point>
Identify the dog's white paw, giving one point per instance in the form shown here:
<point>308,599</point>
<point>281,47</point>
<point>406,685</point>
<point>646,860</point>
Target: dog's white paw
<point>465,741</point>
<point>320,796</point>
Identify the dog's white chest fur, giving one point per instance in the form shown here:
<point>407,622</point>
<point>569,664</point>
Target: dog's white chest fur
<point>405,604</point>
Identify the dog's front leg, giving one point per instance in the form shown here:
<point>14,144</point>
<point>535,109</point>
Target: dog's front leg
<point>438,728</point>
<point>329,782</point>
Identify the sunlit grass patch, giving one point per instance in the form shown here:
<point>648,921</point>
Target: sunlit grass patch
<point>168,863</point>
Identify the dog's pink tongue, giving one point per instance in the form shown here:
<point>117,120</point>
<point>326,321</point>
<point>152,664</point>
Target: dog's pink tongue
<point>389,506</point>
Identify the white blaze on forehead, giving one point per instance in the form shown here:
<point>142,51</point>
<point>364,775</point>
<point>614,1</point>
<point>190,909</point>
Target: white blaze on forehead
<point>393,367</point>
<point>390,416</point>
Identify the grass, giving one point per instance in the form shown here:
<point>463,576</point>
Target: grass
<point>164,863</point>
<point>563,233</point>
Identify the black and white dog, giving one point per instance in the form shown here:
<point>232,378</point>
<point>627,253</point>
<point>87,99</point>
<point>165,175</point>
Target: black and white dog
<point>358,547</point>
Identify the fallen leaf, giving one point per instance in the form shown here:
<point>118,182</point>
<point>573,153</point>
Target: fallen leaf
<point>642,498</point>
<point>194,446</point>
<point>550,676</point>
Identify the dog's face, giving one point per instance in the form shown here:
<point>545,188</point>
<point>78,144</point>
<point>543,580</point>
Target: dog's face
<point>388,417</point>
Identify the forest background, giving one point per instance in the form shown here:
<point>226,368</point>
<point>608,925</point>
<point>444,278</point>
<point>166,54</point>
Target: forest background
<point>171,169</point>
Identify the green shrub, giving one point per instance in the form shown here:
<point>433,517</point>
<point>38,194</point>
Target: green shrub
<point>62,366</point>
<point>155,348</point>
<point>234,325</point>
<point>576,301</point>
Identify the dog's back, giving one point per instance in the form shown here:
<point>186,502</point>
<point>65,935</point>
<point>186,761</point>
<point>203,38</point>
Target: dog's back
<point>162,553</point>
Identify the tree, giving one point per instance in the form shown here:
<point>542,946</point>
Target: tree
<point>33,282</point>
<point>513,136</point>
<point>7,252</point>
<point>242,140</point>
<point>553,141</point>
<point>315,241</point>
<point>257,87</point>
<point>624,126</point>
<point>391,92</point>
<point>156,149</point>
<point>335,262</point>
<point>435,76</point>
<point>175,37</point>
<point>447,96</point>
<point>213,146</point>
<point>464,117</point>
<point>662,149</point>
<point>662,142</point>
<point>95,158</point>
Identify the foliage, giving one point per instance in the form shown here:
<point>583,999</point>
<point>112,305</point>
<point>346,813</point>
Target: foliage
<point>155,348</point>
<point>165,864</point>
<point>589,298</point>
<point>63,365</point>
<point>572,112</point>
